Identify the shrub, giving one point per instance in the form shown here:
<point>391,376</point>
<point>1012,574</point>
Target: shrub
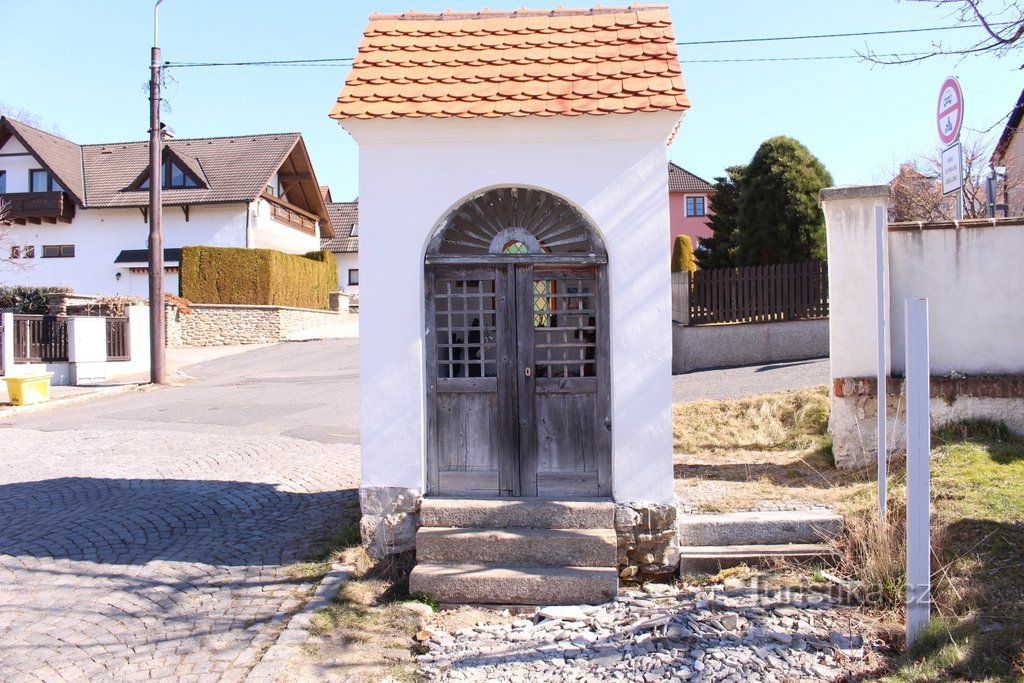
<point>682,255</point>
<point>28,300</point>
<point>219,275</point>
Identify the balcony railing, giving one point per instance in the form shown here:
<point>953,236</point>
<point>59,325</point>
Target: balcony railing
<point>289,214</point>
<point>37,207</point>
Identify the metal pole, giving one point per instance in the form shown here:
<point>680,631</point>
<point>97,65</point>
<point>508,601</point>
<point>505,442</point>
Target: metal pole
<point>918,470</point>
<point>881,387</point>
<point>158,371</point>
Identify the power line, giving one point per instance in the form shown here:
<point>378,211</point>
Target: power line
<point>825,35</point>
<point>796,59</point>
<point>332,61</point>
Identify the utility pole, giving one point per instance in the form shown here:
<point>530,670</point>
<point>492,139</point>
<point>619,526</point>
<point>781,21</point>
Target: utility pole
<point>157,333</point>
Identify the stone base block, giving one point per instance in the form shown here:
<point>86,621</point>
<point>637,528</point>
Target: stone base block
<point>648,544</point>
<point>390,519</point>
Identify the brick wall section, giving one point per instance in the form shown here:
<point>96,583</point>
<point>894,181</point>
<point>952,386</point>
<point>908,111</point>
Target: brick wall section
<point>985,386</point>
<point>226,325</point>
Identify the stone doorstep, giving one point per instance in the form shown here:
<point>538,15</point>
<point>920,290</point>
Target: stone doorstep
<point>709,559</point>
<point>534,547</point>
<point>503,513</point>
<point>759,528</point>
<point>473,583</point>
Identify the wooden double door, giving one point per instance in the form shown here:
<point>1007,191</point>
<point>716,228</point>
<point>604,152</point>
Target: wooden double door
<point>518,380</point>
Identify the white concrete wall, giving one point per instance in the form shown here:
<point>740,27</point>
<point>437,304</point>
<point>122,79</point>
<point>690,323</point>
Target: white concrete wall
<point>347,261</point>
<point>99,235</point>
<point>973,280</point>
<point>698,347</point>
<point>270,234</point>
<point>613,168</point>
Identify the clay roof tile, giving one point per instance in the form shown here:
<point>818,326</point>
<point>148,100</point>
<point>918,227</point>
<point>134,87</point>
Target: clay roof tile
<point>523,63</point>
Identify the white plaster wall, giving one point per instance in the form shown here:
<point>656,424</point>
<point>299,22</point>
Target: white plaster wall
<point>974,283</point>
<point>99,235</point>
<point>613,168</point>
<point>270,234</point>
<point>17,167</point>
<point>345,262</point>
<point>850,231</point>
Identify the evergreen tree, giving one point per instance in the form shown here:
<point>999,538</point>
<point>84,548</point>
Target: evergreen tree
<point>719,250</point>
<point>682,255</point>
<point>778,217</point>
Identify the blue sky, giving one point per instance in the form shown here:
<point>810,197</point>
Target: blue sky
<point>81,68</point>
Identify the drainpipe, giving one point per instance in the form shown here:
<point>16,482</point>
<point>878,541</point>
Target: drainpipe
<point>248,228</point>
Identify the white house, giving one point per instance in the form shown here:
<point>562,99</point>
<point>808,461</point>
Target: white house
<point>78,213</point>
<point>515,354</point>
<point>345,243</point>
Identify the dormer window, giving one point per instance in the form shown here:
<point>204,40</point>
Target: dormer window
<point>174,176</point>
<point>41,181</point>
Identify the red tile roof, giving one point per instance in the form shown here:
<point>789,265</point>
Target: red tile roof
<point>606,60</point>
<point>344,218</point>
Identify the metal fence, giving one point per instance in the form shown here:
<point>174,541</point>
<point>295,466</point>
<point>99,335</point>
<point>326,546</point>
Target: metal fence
<point>788,291</point>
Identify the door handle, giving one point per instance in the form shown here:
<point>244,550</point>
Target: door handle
<point>527,371</point>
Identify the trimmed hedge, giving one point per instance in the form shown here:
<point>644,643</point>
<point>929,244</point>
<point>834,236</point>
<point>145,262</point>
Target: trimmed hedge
<point>28,300</point>
<point>261,277</point>
<point>682,255</point>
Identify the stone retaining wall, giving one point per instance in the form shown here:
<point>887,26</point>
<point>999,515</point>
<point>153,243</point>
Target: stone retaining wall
<point>225,325</point>
<point>854,412</point>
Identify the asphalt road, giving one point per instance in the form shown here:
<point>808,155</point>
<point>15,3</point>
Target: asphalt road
<point>307,390</point>
<point>749,380</point>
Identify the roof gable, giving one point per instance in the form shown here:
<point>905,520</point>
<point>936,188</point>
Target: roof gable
<point>1011,129</point>
<point>605,60</point>
<point>681,180</point>
<point>62,158</point>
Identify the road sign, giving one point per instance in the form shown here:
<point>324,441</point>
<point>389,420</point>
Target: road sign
<point>952,169</point>
<point>950,111</point>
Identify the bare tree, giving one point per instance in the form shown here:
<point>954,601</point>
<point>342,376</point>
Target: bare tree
<point>916,191</point>
<point>1000,25</point>
<point>6,260</point>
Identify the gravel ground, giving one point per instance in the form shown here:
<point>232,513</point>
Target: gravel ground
<point>749,380</point>
<point>728,632</point>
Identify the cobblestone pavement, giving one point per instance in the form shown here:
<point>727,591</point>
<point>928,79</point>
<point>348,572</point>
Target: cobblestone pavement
<point>132,555</point>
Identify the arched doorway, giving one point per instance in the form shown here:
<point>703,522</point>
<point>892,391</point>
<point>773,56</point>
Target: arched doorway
<point>518,386</point>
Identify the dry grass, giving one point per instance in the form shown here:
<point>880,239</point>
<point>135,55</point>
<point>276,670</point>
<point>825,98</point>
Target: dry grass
<point>763,450</point>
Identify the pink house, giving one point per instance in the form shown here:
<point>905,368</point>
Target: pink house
<point>689,205</point>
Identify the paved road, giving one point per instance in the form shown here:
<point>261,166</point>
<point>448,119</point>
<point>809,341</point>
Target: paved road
<point>749,380</point>
<point>147,536</point>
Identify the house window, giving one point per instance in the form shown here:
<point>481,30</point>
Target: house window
<point>174,176</point>
<point>58,251</point>
<point>353,276</point>
<point>41,181</point>
<point>23,252</point>
<point>695,206</point>
<point>355,230</point>
<point>3,181</point>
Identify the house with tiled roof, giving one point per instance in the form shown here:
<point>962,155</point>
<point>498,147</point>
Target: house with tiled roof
<point>689,205</point>
<point>345,243</point>
<point>515,351</point>
<point>78,214</point>
<point>1009,154</point>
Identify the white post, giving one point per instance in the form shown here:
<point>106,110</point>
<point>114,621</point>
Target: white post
<point>880,386</point>
<point>7,343</point>
<point>918,470</point>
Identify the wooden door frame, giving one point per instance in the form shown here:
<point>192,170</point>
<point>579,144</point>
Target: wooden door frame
<point>510,276</point>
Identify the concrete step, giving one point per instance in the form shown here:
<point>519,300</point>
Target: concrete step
<point>762,528</point>
<point>710,559</point>
<point>511,585</point>
<point>534,547</point>
<point>526,513</point>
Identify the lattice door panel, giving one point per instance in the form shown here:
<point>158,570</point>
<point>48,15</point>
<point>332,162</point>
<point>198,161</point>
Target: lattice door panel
<point>565,327</point>
<point>466,328</point>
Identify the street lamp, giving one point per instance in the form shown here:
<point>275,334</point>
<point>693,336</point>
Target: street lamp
<point>158,374</point>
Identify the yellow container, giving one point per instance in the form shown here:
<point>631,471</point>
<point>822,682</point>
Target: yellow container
<point>28,389</point>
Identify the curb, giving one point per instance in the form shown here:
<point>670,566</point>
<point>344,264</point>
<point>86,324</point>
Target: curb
<point>296,632</point>
<point>102,392</point>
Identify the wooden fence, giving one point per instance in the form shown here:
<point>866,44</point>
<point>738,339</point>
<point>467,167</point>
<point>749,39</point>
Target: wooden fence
<point>40,339</point>
<point>118,342</point>
<point>788,291</point>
